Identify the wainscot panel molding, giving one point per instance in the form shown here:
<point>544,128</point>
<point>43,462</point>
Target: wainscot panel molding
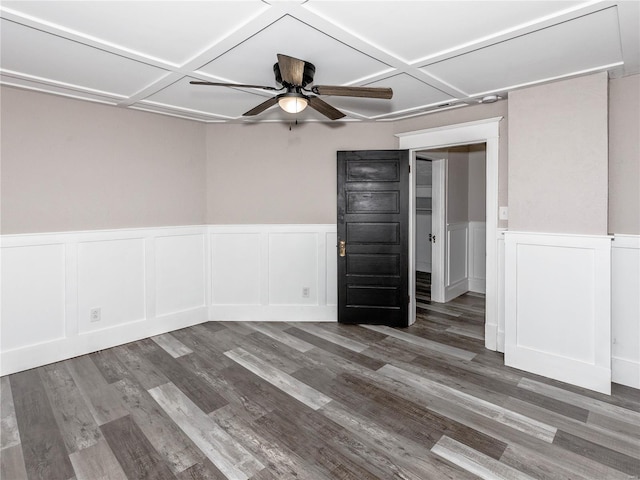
<point>489,328</point>
<point>68,294</point>
<point>558,307</point>
<point>477,256</point>
<point>72,293</point>
<point>273,272</point>
<point>457,261</point>
<point>625,310</point>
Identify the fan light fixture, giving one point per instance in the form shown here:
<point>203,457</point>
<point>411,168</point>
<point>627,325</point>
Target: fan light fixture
<point>293,102</point>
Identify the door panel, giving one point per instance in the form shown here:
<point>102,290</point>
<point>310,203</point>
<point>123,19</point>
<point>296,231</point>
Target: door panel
<point>373,220</point>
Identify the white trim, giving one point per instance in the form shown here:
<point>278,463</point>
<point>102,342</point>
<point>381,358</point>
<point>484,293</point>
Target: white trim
<point>558,307</point>
<point>481,131</point>
<point>173,285</point>
<point>625,310</point>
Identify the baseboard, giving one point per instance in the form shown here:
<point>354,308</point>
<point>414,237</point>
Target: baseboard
<point>64,348</point>
<point>273,313</point>
<point>456,290</point>
<point>500,341</point>
<point>625,372</point>
<point>477,285</point>
<point>490,336</point>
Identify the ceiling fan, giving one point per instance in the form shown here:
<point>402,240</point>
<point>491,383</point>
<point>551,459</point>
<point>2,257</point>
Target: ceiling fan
<point>294,75</point>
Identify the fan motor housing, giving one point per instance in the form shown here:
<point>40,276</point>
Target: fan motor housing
<point>307,75</point>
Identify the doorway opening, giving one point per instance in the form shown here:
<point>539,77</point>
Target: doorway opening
<point>450,226</point>
<point>481,131</point>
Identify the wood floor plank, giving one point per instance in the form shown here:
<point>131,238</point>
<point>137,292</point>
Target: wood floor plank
<point>292,431</point>
<point>228,455</point>
<point>515,420</point>
<point>336,349</point>
<point>462,375</point>
<point>603,454</point>
<point>97,462</point>
<point>619,427</point>
<point>110,366</point>
<point>132,358</point>
<point>282,463</point>
<point>207,369</point>
<point>45,457</point>
<point>12,463</point>
<point>282,336</point>
<point>475,462</point>
<point>102,401</point>
<point>320,331</point>
<point>10,435</point>
<point>197,390</point>
<point>202,471</point>
<point>171,345</point>
<point>177,450</point>
<point>281,380</point>
<point>134,453</point>
<point>583,401</point>
<point>366,396</point>
<point>473,331</point>
<point>422,342</point>
<point>73,416</point>
<point>592,433</point>
<point>414,459</point>
<point>564,465</point>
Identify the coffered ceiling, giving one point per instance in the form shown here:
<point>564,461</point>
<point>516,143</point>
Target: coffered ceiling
<point>433,54</point>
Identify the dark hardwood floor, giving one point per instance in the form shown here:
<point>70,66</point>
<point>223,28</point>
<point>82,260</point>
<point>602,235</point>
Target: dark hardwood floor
<point>313,401</point>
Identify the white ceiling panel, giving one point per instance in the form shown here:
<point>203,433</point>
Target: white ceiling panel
<point>173,31</point>
<point>586,43</point>
<point>35,53</point>
<point>424,29</point>
<point>252,61</point>
<point>435,55</point>
<point>32,84</point>
<point>221,101</point>
<point>408,94</point>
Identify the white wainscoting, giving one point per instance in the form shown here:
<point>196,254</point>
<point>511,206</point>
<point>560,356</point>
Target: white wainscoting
<point>558,307</point>
<point>625,310</point>
<point>144,281</point>
<point>489,329</point>
<point>477,256</point>
<point>154,280</point>
<point>457,261</point>
<point>273,272</point>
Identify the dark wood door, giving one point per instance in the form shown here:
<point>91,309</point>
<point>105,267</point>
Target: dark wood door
<point>373,237</point>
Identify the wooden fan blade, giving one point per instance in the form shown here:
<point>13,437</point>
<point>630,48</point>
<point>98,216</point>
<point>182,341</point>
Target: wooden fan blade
<point>368,92</point>
<point>325,109</point>
<point>237,85</point>
<point>261,108</point>
<point>291,69</point>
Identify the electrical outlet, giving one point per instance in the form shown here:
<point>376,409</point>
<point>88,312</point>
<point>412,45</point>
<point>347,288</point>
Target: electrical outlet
<point>95,314</point>
<point>305,292</point>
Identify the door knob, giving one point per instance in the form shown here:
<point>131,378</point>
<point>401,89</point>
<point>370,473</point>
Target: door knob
<point>343,248</point>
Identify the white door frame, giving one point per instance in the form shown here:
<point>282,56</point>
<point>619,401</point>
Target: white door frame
<point>481,131</point>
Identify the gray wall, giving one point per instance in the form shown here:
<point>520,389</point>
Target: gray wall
<point>624,155</point>
<point>558,157</point>
<point>458,185</point>
<point>72,165</point>
<point>264,173</point>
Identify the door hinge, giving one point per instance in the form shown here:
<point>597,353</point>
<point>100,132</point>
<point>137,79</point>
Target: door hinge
<point>408,298</point>
<point>409,168</point>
